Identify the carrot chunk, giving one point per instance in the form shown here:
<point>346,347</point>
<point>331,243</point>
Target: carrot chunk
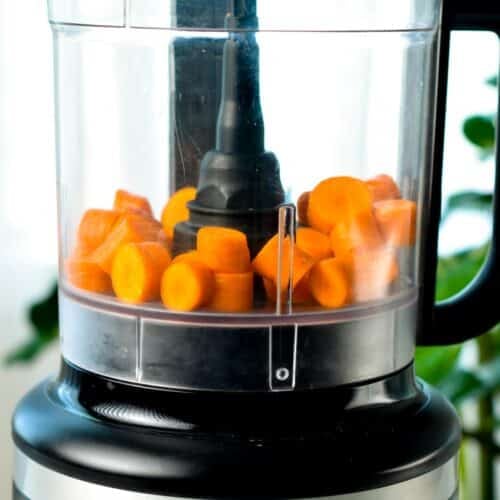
<point>372,274</point>
<point>313,243</point>
<point>335,199</point>
<point>192,255</point>
<point>131,228</point>
<point>397,220</point>
<point>87,275</point>
<point>186,286</point>
<point>137,271</point>
<point>176,209</point>
<point>360,232</point>
<point>302,207</point>
<point>130,202</point>
<point>233,292</point>
<point>301,293</point>
<point>266,262</point>
<point>330,284</point>
<point>80,252</point>
<point>162,238</point>
<point>223,250</point>
<point>383,187</point>
<point>93,229</point>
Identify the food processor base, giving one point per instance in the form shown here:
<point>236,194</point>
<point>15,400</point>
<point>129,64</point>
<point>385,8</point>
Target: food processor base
<point>84,437</point>
<point>36,482</point>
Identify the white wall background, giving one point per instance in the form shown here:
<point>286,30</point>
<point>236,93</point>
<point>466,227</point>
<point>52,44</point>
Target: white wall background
<point>474,58</point>
<point>27,197</point>
<point>27,179</point>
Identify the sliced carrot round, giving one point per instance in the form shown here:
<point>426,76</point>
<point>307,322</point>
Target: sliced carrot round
<point>233,292</point>
<point>302,207</point>
<point>301,293</point>
<point>81,251</point>
<point>397,220</point>
<point>329,283</point>
<point>372,273</point>
<point>266,262</point>
<point>162,238</point>
<point>130,202</point>
<point>359,232</point>
<point>191,256</point>
<point>186,286</point>
<point>87,275</point>
<point>94,227</point>
<point>383,187</point>
<point>137,270</point>
<point>176,209</point>
<point>313,243</point>
<point>131,228</point>
<point>223,249</point>
<point>335,199</point>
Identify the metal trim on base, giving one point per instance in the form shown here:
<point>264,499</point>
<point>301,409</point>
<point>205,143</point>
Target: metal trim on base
<point>37,482</point>
<point>145,351</point>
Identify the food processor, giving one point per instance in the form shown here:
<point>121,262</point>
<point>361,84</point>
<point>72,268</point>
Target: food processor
<point>248,203</point>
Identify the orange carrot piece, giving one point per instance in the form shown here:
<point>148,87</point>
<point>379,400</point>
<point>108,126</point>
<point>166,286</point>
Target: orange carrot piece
<point>176,209</point>
<point>266,262</point>
<point>302,207</point>
<point>330,284</point>
<point>130,202</point>
<point>223,250</point>
<point>132,228</point>
<point>358,233</point>
<point>162,238</point>
<point>87,275</point>
<point>301,293</point>
<point>383,187</point>
<point>80,252</point>
<point>187,285</point>
<point>313,243</point>
<point>397,220</point>
<point>372,273</point>
<point>137,271</point>
<point>191,256</point>
<point>94,227</point>
<point>233,292</point>
<point>335,199</point>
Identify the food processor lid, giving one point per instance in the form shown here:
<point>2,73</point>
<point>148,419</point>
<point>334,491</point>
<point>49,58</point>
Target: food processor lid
<point>274,15</point>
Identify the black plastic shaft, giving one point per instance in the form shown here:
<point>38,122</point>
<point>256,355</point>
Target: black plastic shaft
<point>241,14</point>
<point>240,126</point>
<point>239,184</point>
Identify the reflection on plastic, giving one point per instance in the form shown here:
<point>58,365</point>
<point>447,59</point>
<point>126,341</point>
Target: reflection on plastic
<point>286,229</point>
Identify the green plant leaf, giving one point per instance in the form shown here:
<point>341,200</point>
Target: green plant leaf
<point>44,319</point>
<point>454,273</point>
<point>495,338</point>
<point>30,350</point>
<point>468,200</point>
<point>460,384</point>
<point>492,81</point>
<point>433,364</point>
<point>44,315</point>
<point>479,381</point>
<point>480,131</point>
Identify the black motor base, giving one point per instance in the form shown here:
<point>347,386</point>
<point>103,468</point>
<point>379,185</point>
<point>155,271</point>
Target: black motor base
<point>200,445</point>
